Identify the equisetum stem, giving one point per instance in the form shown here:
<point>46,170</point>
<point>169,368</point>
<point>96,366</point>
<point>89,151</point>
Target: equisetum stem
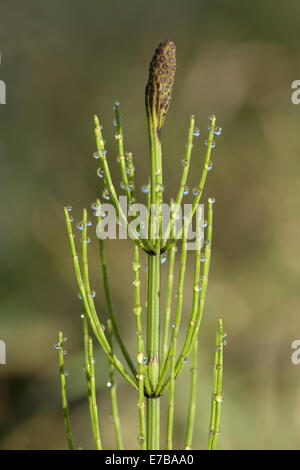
<point>113,393</point>
<point>192,401</point>
<point>91,314</point>
<point>185,171</point>
<point>217,397</point>
<point>170,421</point>
<point>167,315</point>
<point>153,423</point>
<point>153,282</point>
<point>64,392</point>
<point>200,187</point>
<point>172,348</point>
<point>91,385</point>
<point>110,306</point>
<point>142,377</point>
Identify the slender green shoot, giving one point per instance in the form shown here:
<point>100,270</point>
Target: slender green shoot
<point>113,393</point>
<point>217,396</point>
<point>192,400</point>
<point>109,301</point>
<point>62,376</point>
<point>91,385</point>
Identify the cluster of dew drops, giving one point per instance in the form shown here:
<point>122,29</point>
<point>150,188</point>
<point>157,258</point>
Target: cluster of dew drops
<point>59,347</point>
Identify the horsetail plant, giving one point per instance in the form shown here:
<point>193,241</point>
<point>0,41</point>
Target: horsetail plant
<point>159,358</point>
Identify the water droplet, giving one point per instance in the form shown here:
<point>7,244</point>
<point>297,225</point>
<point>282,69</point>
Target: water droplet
<point>122,185</point>
<point>93,294</point>
<point>105,194</point>
<point>115,124</point>
<point>69,208</point>
<point>218,348</point>
<point>103,153</point>
<point>71,218</point>
<point>130,187</point>
<point>140,438</point>
<point>109,384</point>
<point>80,226</point>
<point>65,340</point>
<point>117,136</point>
<point>207,242</point>
<point>135,266</point>
<point>66,373</point>
<point>82,315</point>
<point>186,190</point>
<point>224,335</point>
<point>184,360</point>
<point>218,131</point>
<point>159,188</point>
<point>173,326</point>
<point>145,188</point>
<point>211,433</point>
<point>65,353</point>
<point>204,224</point>
<point>137,310</point>
<point>195,191</point>
<point>93,361</point>
<point>89,223</point>
<point>211,117</point>
<point>117,103</point>
<point>184,162</point>
<point>136,282</point>
<point>163,258</point>
<point>196,132</point>
<point>218,366</point>
<point>218,397</point>
<point>100,172</point>
<point>96,155</point>
<point>212,144</point>
<point>211,200</point>
<point>88,240</point>
<point>158,172</point>
<point>197,287</point>
<point>209,165</point>
<point>224,342</point>
<point>57,346</point>
<point>140,358</point>
<point>95,205</point>
<point>202,259</point>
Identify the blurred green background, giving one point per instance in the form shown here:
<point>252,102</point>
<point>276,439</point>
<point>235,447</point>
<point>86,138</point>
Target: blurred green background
<point>63,61</point>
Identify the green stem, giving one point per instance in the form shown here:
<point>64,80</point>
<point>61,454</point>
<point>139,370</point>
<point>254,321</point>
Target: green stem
<point>113,394</point>
<point>64,392</point>
<point>153,416</point>
<point>91,384</point>
<point>110,306</point>
<point>192,402</point>
<point>217,397</point>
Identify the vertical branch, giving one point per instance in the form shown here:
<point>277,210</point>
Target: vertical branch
<point>113,394</point>
<point>167,315</point>
<point>192,401</point>
<point>217,397</point>
<point>142,377</point>
<point>90,380</point>
<point>109,302</point>
<point>64,392</point>
<point>178,311</point>
<point>171,358</point>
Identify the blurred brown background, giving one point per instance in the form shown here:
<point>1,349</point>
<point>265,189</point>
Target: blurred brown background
<point>63,61</point>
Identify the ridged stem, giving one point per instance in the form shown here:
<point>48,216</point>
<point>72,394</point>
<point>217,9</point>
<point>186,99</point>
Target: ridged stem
<point>113,393</point>
<point>64,400</point>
